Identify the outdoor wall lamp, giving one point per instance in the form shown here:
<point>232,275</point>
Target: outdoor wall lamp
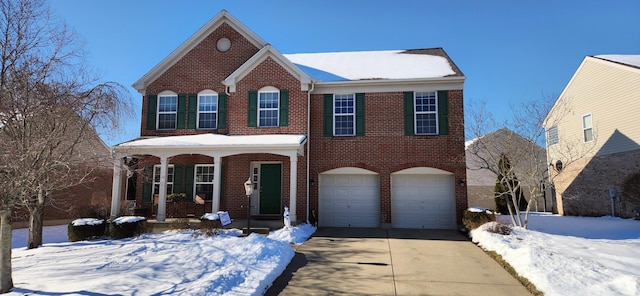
<point>312,182</point>
<point>248,188</point>
<point>461,182</point>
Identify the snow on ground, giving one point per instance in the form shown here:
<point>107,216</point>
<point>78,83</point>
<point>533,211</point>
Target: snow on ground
<point>172,262</point>
<point>564,255</point>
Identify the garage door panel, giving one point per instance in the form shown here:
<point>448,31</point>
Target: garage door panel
<point>423,201</point>
<point>349,201</point>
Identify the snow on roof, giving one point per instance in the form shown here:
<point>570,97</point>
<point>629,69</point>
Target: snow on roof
<point>364,65</point>
<point>217,140</point>
<point>627,59</point>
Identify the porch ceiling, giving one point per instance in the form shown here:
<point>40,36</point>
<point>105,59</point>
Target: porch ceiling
<point>213,145</point>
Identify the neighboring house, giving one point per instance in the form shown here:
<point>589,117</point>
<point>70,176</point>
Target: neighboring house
<point>364,139</point>
<point>593,137</point>
<point>484,152</point>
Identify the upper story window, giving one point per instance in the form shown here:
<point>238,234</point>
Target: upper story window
<point>587,128</point>
<point>156,179</point>
<point>552,135</point>
<point>344,115</point>
<point>426,113</point>
<point>207,110</point>
<point>167,110</point>
<point>268,107</point>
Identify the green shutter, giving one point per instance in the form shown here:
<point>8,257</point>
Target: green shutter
<point>178,177</point>
<point>152,104</point>
<point>147,177</point>
<point>284,107</point>
<point>222,110</point>
<point>189,171</point>
<point>408,113</point>
<point>182,111</point>
<point>443,112</point>
<point>193,111</point>
<point>328,115</point>
<point>253,109</point>
<point>359,114</point>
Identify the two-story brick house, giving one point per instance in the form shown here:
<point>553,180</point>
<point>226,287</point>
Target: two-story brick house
<point>365,139</point>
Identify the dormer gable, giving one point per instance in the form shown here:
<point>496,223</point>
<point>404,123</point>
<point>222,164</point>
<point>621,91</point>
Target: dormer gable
<point>267,51</point>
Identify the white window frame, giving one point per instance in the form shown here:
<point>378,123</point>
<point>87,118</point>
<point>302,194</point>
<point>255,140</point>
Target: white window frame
<point>156,183</point>
<point>586,128</point>
<point>196,182</point>
<point>352,97</point>
<point>268,90</point>
<point>202,94</point>
<point>416,112</point>
<point>552,135</point>
<point>161,96</point>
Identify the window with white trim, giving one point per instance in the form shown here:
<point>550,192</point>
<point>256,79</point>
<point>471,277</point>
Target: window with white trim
<point>552,135</point>
<point>587,128</point>
<point>426,113</point>
<point>203,181</point>
<point>156,179</point>
<point>167,111</point>
<point>268,107</point>
<point>207,110</point>
<point>344,115</point>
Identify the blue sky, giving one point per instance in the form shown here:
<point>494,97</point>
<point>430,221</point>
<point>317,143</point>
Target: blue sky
<point>510,51</point>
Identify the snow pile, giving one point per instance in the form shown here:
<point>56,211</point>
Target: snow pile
<point>210,216</point>
<point>572,255</point>
<point>128,219</point>
<point>477,209</point>
<point>86,221</point>
<point>296,235</point>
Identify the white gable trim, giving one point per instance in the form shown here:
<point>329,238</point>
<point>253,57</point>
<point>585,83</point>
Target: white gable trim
<point>349,171</point>
<point>193,41</point>
<point>422,171</point>
<point>261,56</point>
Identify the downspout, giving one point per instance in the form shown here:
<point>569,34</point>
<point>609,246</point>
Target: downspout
<point>308,141</point>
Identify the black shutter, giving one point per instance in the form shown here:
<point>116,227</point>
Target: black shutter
<point>443,112</point>
<point>253,109</point>
<point>359,114</point>
<point>284,107</point>
<point>328,115</point>
<point>152,104</point>
<point>408,114</point>
<point>222,110</point>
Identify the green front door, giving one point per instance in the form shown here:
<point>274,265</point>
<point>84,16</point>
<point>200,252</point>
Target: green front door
<point>270,188</point>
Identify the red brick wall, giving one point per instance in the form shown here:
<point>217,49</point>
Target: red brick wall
<point>385,149</point>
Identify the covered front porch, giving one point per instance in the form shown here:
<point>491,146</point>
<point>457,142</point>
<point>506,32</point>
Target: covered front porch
<point>246,152</point>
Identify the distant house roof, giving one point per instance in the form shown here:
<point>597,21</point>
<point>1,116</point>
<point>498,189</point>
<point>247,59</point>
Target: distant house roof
<point>626,59</point>
<point>376,65</point>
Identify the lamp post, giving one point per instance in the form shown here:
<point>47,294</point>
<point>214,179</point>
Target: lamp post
<point>248,188</point>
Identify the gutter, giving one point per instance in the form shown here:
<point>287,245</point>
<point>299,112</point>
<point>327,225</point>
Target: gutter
<point>308,146</point>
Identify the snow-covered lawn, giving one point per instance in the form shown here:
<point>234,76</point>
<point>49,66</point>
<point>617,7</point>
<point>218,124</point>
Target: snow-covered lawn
<point>173,262</point>
<point>565,256</point>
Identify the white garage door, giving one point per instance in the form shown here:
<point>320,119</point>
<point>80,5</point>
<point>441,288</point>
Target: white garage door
<point>349,200</point>
<point>424,201</point>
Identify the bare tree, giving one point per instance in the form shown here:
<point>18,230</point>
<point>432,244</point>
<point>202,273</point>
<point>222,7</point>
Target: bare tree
<point>518,139</point>
<point>50,107</point>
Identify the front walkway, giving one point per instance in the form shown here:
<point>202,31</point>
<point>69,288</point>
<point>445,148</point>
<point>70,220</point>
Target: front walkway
<point>338,261</point>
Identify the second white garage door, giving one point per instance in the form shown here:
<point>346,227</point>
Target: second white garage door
<point>423,198</point>
<point>349,197</point>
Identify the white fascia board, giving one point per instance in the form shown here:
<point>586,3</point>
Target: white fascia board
<point>195,39</point>
<point>261,56</point>
<point>391,85</point>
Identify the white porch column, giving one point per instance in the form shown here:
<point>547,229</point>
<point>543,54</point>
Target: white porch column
<point>293,187</point>
<point>162,195</point>
<point>217,180</point>
<point>116,188</point>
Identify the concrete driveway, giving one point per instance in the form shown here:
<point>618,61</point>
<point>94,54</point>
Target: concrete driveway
<point>341,261</point>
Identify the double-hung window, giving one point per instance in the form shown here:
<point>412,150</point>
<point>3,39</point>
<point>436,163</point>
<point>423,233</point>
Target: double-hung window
<point>426,113</point>
<point>156,179</point>
<point>167,111</point>
<point>268,108</point>
<point>207,110</point>
<point>344,116</point>
<point>204,181</point>
<point>587,128</point>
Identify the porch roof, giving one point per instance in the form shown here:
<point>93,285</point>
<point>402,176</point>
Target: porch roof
<point>214,145</point>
